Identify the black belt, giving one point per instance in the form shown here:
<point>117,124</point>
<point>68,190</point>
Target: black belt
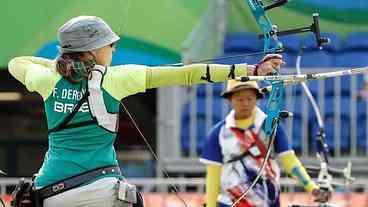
<point>75,181</point>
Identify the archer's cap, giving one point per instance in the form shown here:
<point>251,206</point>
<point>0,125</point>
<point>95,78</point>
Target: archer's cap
<point>85,33</point>
<point>235,86</point>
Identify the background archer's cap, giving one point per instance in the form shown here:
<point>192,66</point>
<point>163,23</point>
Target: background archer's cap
<point>235,86</point>
<point>85,33</point>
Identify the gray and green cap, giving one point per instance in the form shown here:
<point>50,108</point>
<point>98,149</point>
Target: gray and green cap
<point>85,33</point>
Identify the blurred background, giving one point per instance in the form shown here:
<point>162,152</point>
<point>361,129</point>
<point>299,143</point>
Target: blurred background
<point>177,119</point>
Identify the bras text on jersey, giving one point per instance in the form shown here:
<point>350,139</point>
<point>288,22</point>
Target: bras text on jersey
<point>65,96</point>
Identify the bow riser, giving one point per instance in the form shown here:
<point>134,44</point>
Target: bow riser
<point>271,45</point>
<point>274,105</point>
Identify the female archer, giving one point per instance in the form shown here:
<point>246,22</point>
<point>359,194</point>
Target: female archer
<point>81,94</point>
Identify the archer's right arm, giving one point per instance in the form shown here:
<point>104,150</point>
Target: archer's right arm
<point>20,67</point>
<point>37,74</point>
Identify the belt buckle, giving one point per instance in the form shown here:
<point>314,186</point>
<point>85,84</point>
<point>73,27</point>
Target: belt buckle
<point>58,187</point>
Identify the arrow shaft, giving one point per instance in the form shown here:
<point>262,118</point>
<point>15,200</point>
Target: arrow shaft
<point>297,78</point>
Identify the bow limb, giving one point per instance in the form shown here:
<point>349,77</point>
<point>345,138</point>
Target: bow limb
<point>268,30</point>
<point>325,173</point>
<point>324,177</point>
<point>322,148</point>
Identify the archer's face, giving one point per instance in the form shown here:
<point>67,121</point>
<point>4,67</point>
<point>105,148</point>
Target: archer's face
<point>243,102</point>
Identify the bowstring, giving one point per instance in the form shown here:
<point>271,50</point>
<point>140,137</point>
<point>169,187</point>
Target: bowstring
<point>261,169</point>
<point>122,28</point>
<point>162,169</point>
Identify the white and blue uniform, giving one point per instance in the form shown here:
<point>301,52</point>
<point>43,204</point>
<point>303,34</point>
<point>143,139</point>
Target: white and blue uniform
<point>227,142</point>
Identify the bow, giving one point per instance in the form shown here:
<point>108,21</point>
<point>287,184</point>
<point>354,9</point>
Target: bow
<point>324,177</point>
<point>325,173</point>
<point>272,44</point>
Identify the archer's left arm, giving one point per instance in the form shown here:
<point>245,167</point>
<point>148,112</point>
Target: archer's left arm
<point>193,74</point>
<point>204,73</point>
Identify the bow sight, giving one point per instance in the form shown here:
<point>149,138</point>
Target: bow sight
<point>314,28</point>
<point>273,33</point>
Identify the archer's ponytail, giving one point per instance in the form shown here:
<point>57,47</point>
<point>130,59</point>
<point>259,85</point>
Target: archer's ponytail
<point>74,66</point>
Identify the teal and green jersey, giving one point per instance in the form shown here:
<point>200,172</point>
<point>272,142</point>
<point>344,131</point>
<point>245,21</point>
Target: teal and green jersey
<point>76,150</point>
